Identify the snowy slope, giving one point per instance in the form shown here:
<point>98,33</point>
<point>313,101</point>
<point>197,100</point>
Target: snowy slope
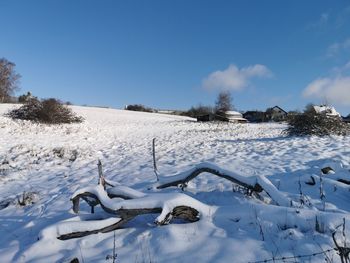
<point>55,161</point>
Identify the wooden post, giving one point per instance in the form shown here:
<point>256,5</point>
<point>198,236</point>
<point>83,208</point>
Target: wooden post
<point>154,158</point>
<point>100,174</point>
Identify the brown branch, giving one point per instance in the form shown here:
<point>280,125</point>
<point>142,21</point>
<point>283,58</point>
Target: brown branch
<point>256,187</point>
<point>343,252</point>
<point>95,231</point>
<point>312,182</point>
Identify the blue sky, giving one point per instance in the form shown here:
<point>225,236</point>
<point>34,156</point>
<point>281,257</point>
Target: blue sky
<point>175,54</point>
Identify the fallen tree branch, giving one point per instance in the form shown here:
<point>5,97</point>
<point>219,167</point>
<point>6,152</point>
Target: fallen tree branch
<point>198,170</point>
<point>254,183</point>
<point>169,205</point>
<point>164,202</point>
<point>89,231</point>
<point>126,203</point>
<point>69,230</point>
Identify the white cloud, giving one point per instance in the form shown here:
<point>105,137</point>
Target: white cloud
<point>333,49</point>
<point>343,17</point>
<point>338,47</point>
<point>346,44</point>
<point>347,66</point>
<point>343,70</point>
<point>234,78</point>
<point>324,17</point>
<point>336,90</point>
<point>322,21</point>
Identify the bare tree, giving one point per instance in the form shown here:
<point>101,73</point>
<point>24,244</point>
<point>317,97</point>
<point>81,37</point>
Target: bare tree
<point>8,79</point>
<point>223,102</point>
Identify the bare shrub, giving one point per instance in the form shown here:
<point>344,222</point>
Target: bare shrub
<point>199,110</point>
<point>50,111</point>
<point>138,107</point>
<point>311,123</point>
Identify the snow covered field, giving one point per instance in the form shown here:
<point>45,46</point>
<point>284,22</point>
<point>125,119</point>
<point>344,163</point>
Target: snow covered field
<point>52,162</point>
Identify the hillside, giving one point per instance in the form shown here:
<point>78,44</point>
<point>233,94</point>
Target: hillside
<point>52,162</point>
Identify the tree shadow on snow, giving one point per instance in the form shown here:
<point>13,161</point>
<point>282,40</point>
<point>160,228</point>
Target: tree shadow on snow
<point>272,139</point>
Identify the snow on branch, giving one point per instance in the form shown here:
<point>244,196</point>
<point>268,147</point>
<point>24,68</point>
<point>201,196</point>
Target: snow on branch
<point>126,203</point>
<point>164,202</point>
<point>69,230</point>
<point>132,204</point>
<point>254,183</point>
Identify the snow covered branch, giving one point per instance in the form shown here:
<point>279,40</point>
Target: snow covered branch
<point>254,183</point>
<point>132,204</point>
<point>126,203</point>
<point>69,230</point>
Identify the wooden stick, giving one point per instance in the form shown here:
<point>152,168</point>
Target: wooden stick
<point>154,158</point>
<point>101,179</point>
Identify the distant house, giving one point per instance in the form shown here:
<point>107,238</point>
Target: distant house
<point>206,117</point>
<point>228,116</point>
<point>170,112</point>
<point>326,110</point>
<point>276,114</point>
<point>346,119</point>
<point>255,116</point>
<point>166,111</point>
<point>234,116</point>
<point>25,97</point>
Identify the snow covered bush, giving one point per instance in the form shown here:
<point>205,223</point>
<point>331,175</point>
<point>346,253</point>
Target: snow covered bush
<point>312,123</point>
<point>50,111</point>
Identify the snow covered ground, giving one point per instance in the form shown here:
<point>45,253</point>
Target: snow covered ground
<point>50,163</point>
